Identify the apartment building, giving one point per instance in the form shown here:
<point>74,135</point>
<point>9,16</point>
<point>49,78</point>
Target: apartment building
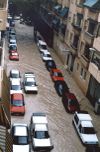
<point>75,25</point>
<point>5,119</point>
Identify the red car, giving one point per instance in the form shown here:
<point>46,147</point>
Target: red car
<point>70,102</point>
<point>14,56</point>
<point>56,75</point>
<point>17,104</point>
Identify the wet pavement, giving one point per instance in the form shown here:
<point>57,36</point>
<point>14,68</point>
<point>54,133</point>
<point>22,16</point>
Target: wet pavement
<point>63,134</point>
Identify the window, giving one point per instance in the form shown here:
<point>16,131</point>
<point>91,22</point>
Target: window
<point>83,74</point>
<point>87,52</point>
<point>71,35</point>
<point>77,66</point>
<point>96,60</point>
<point>91,27</point>
<point>75,41</point>
<point>98,32</point>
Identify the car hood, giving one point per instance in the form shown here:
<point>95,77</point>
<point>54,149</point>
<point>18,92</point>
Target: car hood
<point>20,148</point>
<point>31,88</point>
<point>42,142</point>
<point>91,139</point>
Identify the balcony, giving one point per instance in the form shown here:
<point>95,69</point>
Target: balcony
<point>88,37</point>
<point>95,71</point>
<point>84,61</point>
<point>77,27</point>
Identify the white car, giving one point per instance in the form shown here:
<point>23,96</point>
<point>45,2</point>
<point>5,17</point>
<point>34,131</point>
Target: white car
<point>14,73</point>
<point>39,133</point>
<point>83,124</point>
<point>15,86</point>
<point>20,136</point>
<point>29,83</point>
<point>42,46</point>
<point>46,56</point>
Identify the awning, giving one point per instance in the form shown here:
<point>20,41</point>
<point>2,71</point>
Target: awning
<point>90,3</point>
<point>64,12</point>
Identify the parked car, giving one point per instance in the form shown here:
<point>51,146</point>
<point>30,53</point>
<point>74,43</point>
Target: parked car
<point>61,87</point>
<point>56,75</point>
<point>38,38</point>
<point>29,83</point>
<point>15,86</point>
<point>14,56</point>
<point>40,137</point>
<point>92,148</point>
<point>70,102</point>
<point>12,41</point>
<point>13,48</point>
<point>17,104</point>
<point>50,64</point>
<point>83,125</point>
<point>42,46</point>
<point>14,73</point>
<point>20,137</point>
<point>46,56</point>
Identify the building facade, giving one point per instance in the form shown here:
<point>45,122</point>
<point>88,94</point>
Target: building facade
<point>75,24</point>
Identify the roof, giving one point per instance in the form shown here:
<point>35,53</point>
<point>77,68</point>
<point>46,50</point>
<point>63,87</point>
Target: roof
<point>30,79</point>
<point>42,42</point>
<point>56,70</point>
<point>17,96</point>
<point>41,127</point>
<point>15,81</point>
<point>39,119</point>
<point>20,129</point>
<point>87,124</point>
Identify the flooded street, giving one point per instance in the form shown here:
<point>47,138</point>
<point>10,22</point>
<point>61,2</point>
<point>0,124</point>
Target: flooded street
<point>63,134</point>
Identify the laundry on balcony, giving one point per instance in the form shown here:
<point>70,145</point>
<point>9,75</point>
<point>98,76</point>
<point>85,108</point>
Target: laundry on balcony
<point>64,12</point>
<point>91,3</point>
<point>57,8</point>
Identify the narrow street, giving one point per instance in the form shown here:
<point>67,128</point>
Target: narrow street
<point>63,134</point>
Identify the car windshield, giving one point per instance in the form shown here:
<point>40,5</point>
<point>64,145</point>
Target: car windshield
<point>41,134</point>
<point>58,74</point>
<point>20,140</point>
<point>15,87</point>
<point>89,130</point>
<point>44,47</point>
<point>30,83</point>
<point>72,102</point>
<point>14,75</point>
<point>13,47</point>
<point>17,103</point>
<point>47,55</point>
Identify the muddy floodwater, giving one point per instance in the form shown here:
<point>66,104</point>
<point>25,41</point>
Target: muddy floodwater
<point>62,132</point>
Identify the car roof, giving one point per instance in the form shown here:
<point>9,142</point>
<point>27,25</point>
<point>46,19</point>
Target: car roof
<point>46,52</point>
<point>71,95</point>
<point>20,130</point>
<point>12,40</point>
<point>83,116</point>
<point>14,53</point>
<point>86,124</point>
<point>39,119</point>
<point>41,127</point>
<point>17,96</point>
<point>15,81</point>
<point>30,79</point>
<point>42,42</point>
<point>56,70</point>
